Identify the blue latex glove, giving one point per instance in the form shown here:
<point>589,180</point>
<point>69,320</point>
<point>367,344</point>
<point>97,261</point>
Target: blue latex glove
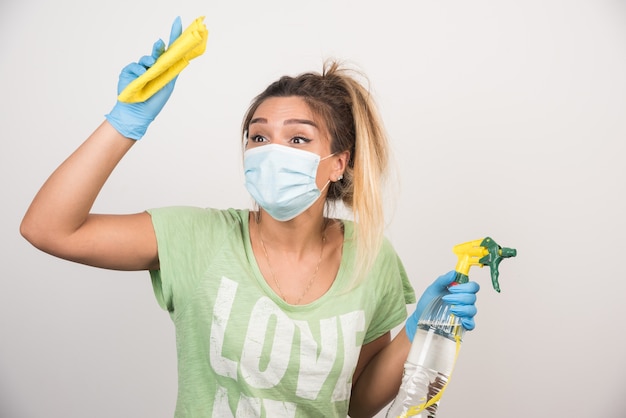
<point>462,297</point>
<point>132,119</point>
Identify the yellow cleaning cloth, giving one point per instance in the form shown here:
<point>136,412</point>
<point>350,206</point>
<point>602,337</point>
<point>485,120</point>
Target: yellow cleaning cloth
<point>189,45</point>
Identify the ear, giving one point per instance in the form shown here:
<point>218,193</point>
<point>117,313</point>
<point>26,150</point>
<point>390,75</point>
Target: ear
<point>340,165</point>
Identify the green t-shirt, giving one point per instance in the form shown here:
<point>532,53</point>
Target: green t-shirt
<point>242,350</point>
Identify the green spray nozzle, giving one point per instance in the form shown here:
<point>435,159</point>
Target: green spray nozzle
<point>479,253</point>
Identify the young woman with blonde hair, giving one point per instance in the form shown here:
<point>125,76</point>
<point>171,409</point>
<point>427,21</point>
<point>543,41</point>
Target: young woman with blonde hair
<point>279,311</point>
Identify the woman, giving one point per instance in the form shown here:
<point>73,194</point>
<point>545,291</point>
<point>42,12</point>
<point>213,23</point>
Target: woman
<point>279,311</point>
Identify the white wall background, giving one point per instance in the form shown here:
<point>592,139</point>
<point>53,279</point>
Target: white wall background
<point>507,118</point>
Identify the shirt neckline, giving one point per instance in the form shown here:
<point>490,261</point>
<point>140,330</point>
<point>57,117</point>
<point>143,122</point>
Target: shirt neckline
<point>338,282</point>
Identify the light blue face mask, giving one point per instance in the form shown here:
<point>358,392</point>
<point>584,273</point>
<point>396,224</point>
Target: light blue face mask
<point>282,179</point>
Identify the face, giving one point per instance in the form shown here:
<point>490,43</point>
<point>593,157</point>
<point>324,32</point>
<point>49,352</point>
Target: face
<point>290,122</point>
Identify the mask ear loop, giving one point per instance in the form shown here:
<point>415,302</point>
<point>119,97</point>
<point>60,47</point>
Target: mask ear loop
<point>327,182</point>
<point>328,156</point>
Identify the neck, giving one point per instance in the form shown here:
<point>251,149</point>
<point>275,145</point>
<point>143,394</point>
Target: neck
<point>298,235</point>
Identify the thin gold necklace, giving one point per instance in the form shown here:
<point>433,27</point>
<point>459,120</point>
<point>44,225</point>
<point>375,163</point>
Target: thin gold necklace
<point>269,265</point>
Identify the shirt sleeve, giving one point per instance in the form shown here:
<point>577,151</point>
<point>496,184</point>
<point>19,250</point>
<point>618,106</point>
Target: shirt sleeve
<point>187,238</point>
<point>393,293</point>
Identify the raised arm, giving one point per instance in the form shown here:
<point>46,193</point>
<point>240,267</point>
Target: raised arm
<point>59,221</point>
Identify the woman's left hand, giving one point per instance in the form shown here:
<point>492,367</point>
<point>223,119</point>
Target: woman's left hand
<point>461,296</point>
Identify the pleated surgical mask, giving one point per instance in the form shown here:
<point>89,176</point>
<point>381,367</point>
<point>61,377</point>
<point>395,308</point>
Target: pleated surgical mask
<point>281,179</point>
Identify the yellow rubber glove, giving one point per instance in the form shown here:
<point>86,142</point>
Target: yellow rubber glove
<point>189,45</point>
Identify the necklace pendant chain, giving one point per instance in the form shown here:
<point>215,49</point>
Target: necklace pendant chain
<point>311,280</point>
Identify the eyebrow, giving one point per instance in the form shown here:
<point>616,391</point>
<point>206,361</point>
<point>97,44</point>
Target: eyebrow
<point>287,122</point>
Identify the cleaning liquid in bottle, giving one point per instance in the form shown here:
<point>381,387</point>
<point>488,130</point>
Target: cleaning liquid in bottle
<point>439,335</point>
<point>430,362</point>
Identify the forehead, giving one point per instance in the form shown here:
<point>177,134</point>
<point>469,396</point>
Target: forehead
<point>277,109</point>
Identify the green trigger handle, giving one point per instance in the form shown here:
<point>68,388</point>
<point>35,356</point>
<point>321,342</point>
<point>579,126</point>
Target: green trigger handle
<point>479,253</point>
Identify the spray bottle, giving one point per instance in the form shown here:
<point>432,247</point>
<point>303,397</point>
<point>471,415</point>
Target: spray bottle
<point>439,334</point>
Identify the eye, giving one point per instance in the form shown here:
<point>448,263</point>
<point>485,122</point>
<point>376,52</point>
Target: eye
<point>258,139</point>
<point>300,140</point>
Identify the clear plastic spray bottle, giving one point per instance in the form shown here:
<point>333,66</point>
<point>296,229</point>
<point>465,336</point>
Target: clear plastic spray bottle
<point>439,335</point>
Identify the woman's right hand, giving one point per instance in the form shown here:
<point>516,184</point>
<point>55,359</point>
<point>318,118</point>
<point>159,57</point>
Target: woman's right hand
<point>132,119</point>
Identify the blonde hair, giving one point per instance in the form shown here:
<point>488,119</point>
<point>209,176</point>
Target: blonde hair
<point>354,124</point>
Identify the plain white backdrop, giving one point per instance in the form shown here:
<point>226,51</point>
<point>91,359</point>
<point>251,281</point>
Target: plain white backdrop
<point>507,119</point>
